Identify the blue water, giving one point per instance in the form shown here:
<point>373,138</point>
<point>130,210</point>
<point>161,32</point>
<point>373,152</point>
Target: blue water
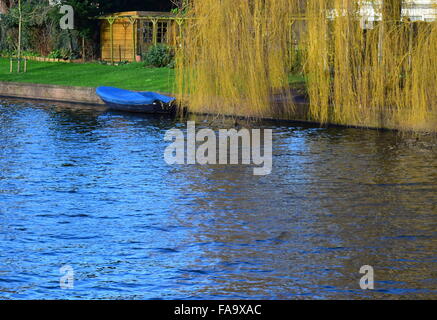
<point>90,189</point>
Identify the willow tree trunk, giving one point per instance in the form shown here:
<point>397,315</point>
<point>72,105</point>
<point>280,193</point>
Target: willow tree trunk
<point>391,15</point>
<point>392,10</point>
<point>83,49</point>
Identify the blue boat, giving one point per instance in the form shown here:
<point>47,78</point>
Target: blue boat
<point>132,101</point>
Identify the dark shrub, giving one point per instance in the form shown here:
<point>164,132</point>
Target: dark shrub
<point>159,56</point>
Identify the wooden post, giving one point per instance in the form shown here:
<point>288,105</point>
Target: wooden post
<point>25,65</point>
<point>133,21</point>
<point>111,30</point>
<point>179,22</point>
<point>155,31</point>
<point>83,49</point>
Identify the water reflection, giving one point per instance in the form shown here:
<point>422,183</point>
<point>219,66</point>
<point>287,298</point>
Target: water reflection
<point>90,188</point>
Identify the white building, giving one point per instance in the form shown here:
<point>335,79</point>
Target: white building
<point>415,10</point>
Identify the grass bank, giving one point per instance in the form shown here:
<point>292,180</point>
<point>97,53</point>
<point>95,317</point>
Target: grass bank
<point>129,76</point>
<point>133,76</point>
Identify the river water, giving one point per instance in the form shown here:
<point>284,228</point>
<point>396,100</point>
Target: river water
<point>90,189</point>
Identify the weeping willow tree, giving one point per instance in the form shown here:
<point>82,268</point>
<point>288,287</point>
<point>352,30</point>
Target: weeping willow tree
<point>382,76</point>
<point>236,55</point>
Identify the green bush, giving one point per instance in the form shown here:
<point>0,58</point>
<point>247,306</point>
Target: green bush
<point>13,53</point>
<point>55,54</point>
<point>298,61</point>
<point>159,56</point>
<point>60,54</point>
<point>29,53</point>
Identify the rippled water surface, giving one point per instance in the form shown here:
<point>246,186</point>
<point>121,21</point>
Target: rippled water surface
<point>90,189</point>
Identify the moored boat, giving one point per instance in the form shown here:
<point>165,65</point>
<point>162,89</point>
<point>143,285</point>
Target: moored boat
<point>132,101</point>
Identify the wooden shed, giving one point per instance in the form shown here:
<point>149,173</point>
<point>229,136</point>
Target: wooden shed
<point>125,35</point>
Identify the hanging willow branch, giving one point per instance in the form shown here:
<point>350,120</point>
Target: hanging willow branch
<point>236,55</point>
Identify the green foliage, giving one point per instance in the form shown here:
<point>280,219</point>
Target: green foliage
<point>24,53</point>
<point>41,31</point>
<point>181,7</point>
<point>29,53</point>
<point>40,28</point>
<point>60,54</point>
<point>172,64</point>
<point>159,56</point>
<point>297,61</point>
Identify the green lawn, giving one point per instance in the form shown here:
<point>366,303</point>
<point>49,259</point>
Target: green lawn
<point>132,76</point>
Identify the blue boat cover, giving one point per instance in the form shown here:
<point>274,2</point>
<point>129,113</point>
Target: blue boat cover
<point>121,96</point>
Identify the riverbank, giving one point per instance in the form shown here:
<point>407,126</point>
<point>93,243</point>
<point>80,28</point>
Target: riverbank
<point>49,92</point>
<point>133,76</point>
<point>87,95</point>
<point>77,82</point>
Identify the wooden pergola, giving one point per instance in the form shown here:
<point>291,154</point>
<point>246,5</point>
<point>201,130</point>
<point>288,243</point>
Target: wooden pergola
<point>125,35</point>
